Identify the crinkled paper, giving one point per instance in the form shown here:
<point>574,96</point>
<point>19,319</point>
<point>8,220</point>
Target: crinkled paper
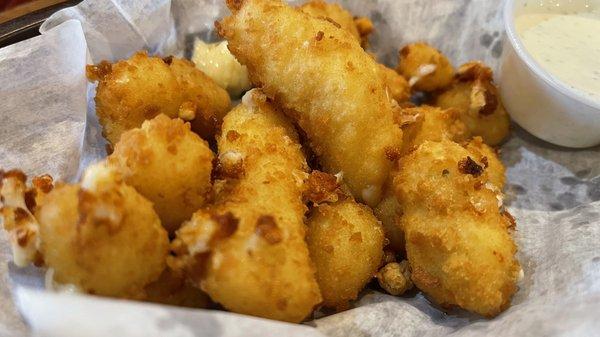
<point>48,125</point>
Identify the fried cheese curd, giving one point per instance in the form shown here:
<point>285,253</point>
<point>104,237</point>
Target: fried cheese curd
<point>419,124</point>
<point>425,67</point>
<point>396,85</point>
<point>203,98</point>
<point>394,278</point>
<point>458,238</point>
<point>344,108</point>
<point>102,236</point>
<point>345,241</point>
<point>247,250</point>
<point>168,164</point>
<point>424,122</point>
<point>142,87</point>
<point>360,28</point>
<point>477,99</point>
<point>18,203</point>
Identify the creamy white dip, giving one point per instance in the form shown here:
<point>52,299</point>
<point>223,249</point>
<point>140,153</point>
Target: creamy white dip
<point>567,45</point>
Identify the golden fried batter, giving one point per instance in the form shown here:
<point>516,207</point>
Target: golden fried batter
<point>360,28</point>
<point>397,86</point>
<point>476,98</point>
<point>102,236</point>
<point>489,157</point>
<point>329,85</point>
<point>142,87</point>
<point>247,251</point>
<point>333,13</point>
<point>207,100</point>
<point>344,238</point>
<point>346,244</point>
<point>322,187</point>
<point>425,67</point>
<point>387,211</point>
<point>168,164</point>
<point>457,238</point>
<point>133,90</point>
<point>419,124</point>
<point>430,123</point>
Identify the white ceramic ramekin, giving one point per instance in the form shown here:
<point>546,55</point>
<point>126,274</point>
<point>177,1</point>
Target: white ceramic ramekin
<point>535,99</point>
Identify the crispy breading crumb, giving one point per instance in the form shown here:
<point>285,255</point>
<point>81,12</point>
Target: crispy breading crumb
<point>512,223</point>
<point>319,36</point>
<point>99,71</point>
<point>322,187</point>
<point>392,154</point>
<point>228,224</point>
<point>469,166</point>
<point>266,227</point>
<point>395,278</point>
<point>187,111</point>
<point>230,165</point>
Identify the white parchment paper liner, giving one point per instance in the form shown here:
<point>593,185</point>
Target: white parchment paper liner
<point>47,125</point>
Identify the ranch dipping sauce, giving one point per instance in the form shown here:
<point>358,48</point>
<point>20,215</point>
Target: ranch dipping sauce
<point>567,45</point>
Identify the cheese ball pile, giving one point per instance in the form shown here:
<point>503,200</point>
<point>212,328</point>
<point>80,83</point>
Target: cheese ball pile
<point>323,178</point>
